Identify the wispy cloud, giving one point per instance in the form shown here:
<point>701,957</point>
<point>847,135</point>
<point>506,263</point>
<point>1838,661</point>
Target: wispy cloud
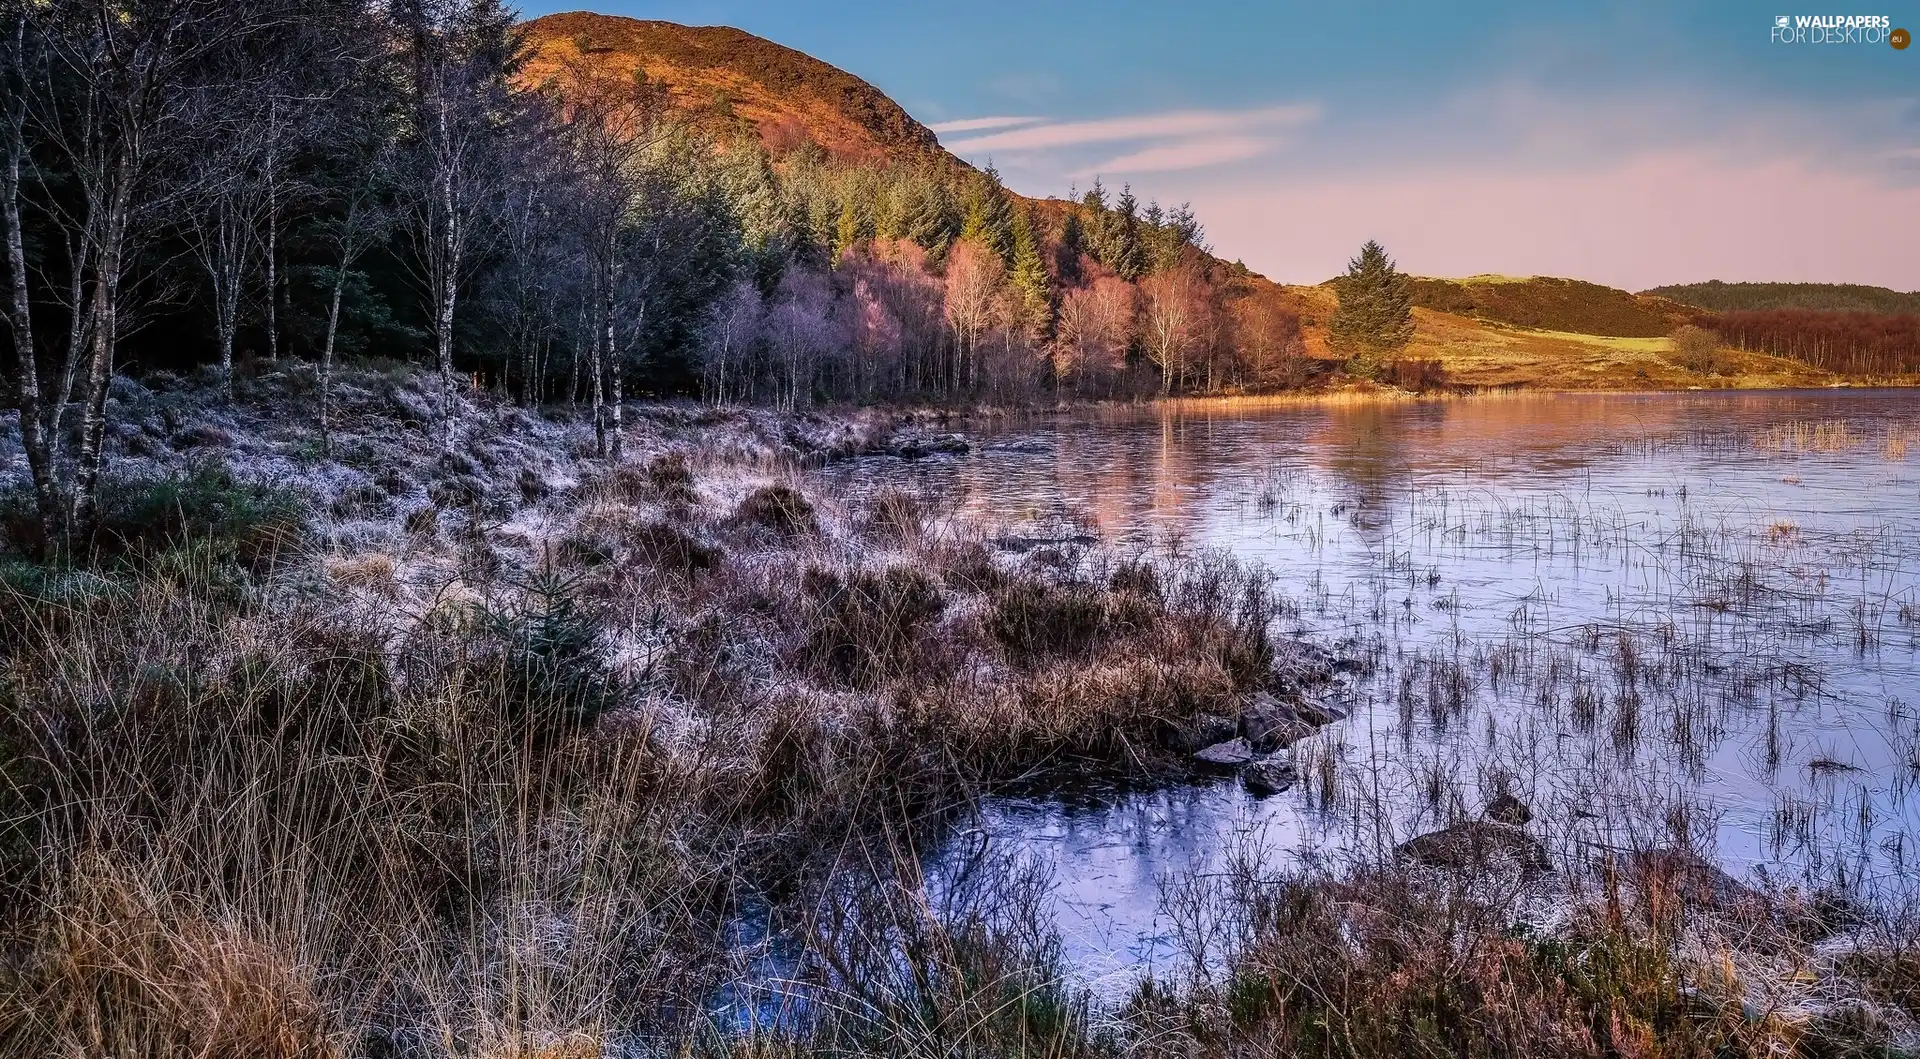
<point>1134,143</point>
<point>980,124</point>
<point>1196,153</point>
<point>1141,127</point>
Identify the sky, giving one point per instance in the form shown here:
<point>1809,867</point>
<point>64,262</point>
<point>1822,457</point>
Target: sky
<point>1632,144</point>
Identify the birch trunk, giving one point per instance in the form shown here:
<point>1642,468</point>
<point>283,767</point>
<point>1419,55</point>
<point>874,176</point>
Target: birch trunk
<point>106,292</point>
<point>326,359</point>
<point>20,321</point>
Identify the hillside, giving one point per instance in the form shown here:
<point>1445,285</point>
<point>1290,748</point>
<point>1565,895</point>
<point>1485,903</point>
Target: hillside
<point>1494,354</point>
<point>730,80</point>
<point>1821,297</point>
<point>1553,304</point>
<point>1488,331</point>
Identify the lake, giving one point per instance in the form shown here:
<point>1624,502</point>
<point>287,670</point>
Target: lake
<point>1653,617</point>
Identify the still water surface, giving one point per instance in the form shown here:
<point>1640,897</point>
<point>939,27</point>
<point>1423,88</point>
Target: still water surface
<point>1619,606</point>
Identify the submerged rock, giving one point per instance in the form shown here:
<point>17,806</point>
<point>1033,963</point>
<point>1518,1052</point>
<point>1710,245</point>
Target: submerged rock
<point>1269,775</point>
<point>918,446</point>
<point>1231,754</point>
<point>1476,844</point>
<point>1022,545</point>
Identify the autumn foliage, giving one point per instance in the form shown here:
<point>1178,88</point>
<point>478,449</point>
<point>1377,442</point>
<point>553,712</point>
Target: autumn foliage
<point>1873,345</point>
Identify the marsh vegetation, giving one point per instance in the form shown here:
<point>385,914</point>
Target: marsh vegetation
<point>761,741</point>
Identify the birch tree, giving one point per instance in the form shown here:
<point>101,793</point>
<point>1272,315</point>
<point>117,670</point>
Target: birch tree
<point>464,52</point>
<point>16,77</point>
<point>113,103</point>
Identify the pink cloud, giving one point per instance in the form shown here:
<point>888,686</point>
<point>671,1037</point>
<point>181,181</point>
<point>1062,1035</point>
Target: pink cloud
<point>1195,153</point>
<point>979,124</point>
<point>1173,124</point>
<point>1657,218</point>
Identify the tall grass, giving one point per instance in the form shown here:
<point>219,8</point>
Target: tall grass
<point>521,813</point>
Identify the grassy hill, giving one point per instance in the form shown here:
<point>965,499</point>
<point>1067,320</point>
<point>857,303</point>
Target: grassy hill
<point>1821,297</point>
<point>1478,351</point>
<point>1552,304</point>
<point>731,80</point>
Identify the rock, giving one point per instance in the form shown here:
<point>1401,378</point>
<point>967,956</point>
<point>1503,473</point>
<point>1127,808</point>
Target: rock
<point>1269,724</point>
<point>1202,731</point>
<point>1694,879</point>
<point>1269,775</point>
<point>918,446</point>
<point>1506,809</point>
<point>1315,714</point>
<point>1476,844</point>
<point>1022,545</point>
<point>1231,754</point>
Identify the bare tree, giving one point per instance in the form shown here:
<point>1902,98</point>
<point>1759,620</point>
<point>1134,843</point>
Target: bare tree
<point>732,327</point>
<point>1174,310</point>
<point>228,203</point>
<point>362,223</point>
<point>612,123</point>
<point>461,112</point>
<point>1094,330</point>
<point>801,329</point>
<point>113,102</point>
<point>975,276</point>
<point>16,75</point>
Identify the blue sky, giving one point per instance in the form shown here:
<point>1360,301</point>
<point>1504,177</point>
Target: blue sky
<point>1631,143</point>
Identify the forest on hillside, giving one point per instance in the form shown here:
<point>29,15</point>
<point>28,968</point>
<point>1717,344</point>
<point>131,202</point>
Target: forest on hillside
<point>1818,297</point>
<point>206,183</point>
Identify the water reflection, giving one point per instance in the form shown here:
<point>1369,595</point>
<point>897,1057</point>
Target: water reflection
<point>1623,605</point>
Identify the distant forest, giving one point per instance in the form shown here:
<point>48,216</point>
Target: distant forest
<point>1819,297</point>
<point>1848,343</point>
<point>1845,328</point>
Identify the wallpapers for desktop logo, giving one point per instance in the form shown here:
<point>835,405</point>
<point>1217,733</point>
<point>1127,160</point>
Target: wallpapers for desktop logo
<point>1838,29</point>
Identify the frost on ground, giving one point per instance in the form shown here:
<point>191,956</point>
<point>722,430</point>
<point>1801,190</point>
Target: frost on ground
<point>759,678</point>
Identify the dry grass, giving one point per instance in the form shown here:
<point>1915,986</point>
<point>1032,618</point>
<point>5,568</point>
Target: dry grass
<point>426,805</point>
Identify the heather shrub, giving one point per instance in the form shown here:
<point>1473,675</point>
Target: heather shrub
<point>779,508</point>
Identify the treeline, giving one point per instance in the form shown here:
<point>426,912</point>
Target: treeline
<point>1869,345</point>
<point>934,281</point>
<point>193,182</point>
<point>1719,296</point>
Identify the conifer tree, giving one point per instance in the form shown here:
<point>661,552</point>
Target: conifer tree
<point>1073,243</point>
<point>1126,256</point>
<point>987,217</point>
<point>847,232</point>
<point>1375,317</point>
<point>1029,273</point>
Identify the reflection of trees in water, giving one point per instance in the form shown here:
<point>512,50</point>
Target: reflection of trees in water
<point>1139,473</point>
<point>1371,450</point>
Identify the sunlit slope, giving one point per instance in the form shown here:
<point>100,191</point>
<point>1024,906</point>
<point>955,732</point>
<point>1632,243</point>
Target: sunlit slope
<point>1482,352</point>
<point>731,80</point>
<point>1492,331</point>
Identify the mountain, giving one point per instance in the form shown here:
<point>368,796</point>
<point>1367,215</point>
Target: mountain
<point>730,80</point>
<point>1822,297</point>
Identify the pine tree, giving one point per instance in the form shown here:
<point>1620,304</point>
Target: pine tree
<point>846,233</point>
<point>1029,273</point>
<point>1073,243</point>
<point>1375,317</point>
<point>1126,256</point>
<point>987,217</point>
